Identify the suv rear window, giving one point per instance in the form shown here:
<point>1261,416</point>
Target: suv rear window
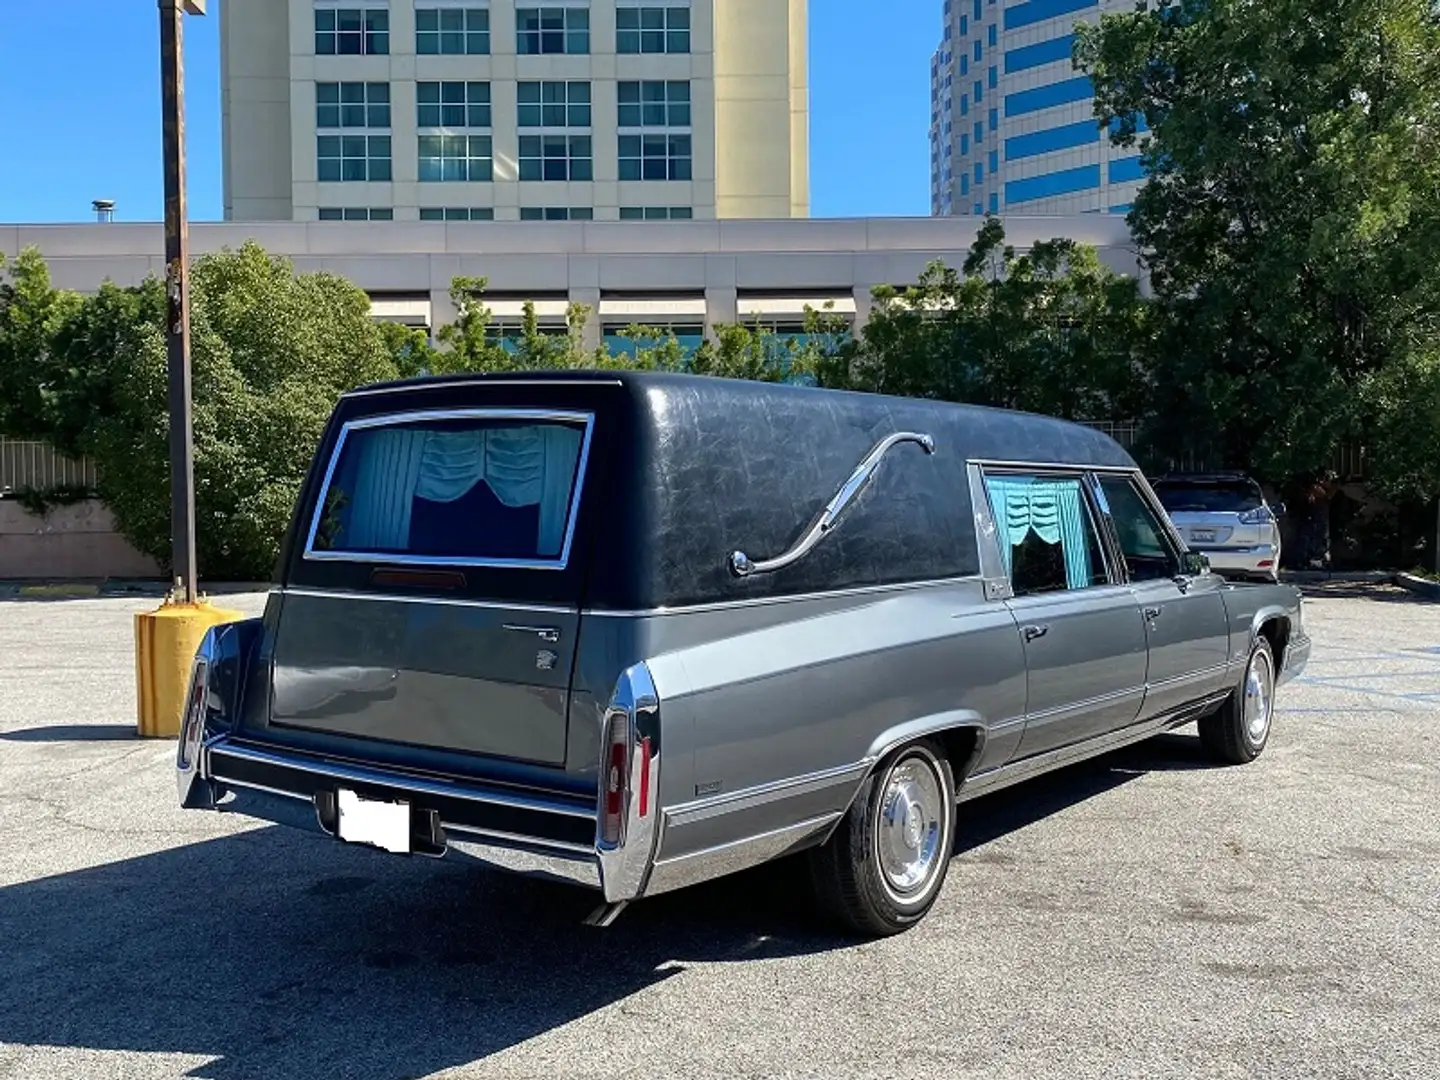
<point>1204,496</point>
<point>473,488</point>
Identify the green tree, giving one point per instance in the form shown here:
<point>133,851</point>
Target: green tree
<point>1291,216</point>
<point>1051,331</point>
<point>33,374</point>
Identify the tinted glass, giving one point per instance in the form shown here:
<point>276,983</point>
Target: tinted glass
<point>474,489</point>
<point>1047,535</point>
<point>1148,554</point>
<point>1234,496</point>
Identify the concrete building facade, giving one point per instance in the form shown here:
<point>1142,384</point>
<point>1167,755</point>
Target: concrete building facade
<point>1012,126</point>
<point>466,110</point>
<point>685,275</point>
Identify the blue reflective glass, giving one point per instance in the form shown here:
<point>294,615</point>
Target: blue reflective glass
<point>1123,208</point>
<point>1043,97</point>
<point>1125,169</point>
<point>1045,52</point>
<point>1040,10</point>
<point>1048,139</point>
<point>1045,185</point>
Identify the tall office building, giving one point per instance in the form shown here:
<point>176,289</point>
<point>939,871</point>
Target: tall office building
<point>1012,124</point>
<point>514,109</point>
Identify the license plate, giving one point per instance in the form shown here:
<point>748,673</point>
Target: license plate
<point>1204,536</point>
<point>372,821</point>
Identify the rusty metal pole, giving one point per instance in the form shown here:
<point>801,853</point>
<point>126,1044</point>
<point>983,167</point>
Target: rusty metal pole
<point>177,288</point>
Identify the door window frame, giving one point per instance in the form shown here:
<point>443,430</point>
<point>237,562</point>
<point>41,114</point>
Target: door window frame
<point>999,583</point>
<point>1169,536</point>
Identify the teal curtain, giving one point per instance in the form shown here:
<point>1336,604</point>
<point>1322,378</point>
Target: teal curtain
<point>1052,510</point>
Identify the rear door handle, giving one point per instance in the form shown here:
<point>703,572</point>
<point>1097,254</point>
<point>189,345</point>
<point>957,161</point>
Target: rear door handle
<point>1152,612</point>
<point>1033,632</point>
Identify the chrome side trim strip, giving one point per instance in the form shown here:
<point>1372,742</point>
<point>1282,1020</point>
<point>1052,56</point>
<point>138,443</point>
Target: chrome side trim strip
<point>1088,703</point>
<point>741,565</point>
<point>632,613</point>
<point>1188,677</point>
<point>443,601</point>
<point>762,794</point>
<point>383,778</point>
<point>534,862</point>
<point>698,866</point>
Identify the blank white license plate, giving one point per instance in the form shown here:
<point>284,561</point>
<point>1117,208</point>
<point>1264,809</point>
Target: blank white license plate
<point>1203,535</point>
<point>370,821</point>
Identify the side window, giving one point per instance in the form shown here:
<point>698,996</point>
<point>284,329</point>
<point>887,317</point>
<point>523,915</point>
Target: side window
<point>1148,554</point>
<point>1048,540</point>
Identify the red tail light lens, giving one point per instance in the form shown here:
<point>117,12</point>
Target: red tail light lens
<point>616,779</point>
<point>194,713</point>
<point>644,776</point>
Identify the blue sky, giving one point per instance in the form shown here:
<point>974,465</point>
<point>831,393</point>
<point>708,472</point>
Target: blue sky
<point>80,87</point>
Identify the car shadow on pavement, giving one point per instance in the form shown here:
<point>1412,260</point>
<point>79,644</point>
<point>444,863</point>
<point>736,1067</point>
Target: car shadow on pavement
<point>284,955</point>
<point>289,956</point>
<point>72,733</point>
<point>990,817</point>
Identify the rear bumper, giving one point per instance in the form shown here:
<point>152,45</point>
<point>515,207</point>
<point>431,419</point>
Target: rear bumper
<point>1263,560</point>
<point>542,836</point>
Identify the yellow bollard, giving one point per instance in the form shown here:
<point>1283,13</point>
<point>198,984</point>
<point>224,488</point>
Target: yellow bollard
<point>165,644</point>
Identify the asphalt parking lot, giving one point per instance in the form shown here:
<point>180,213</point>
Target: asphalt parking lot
<point>1143,915</point>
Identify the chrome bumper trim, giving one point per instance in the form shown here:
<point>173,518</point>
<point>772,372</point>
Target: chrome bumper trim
<point>357,774</point>
<point>698,866</point>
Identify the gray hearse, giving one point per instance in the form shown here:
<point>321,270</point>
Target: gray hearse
<point>636,631</point>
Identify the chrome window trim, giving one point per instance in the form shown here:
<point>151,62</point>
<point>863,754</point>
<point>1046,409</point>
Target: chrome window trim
<point>1171,535</point>
<point>987,537</point>
<point>1116,572</point>
<point>444,601</point>
<point>560,562</point>
<point>458,384</point>
<point>741,565</point>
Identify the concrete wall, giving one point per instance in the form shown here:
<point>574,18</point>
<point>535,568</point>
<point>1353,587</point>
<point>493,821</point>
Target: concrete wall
<point>77,541</point>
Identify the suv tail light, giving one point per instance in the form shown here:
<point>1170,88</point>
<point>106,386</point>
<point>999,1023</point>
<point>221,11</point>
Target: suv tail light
<point>1261,515</point>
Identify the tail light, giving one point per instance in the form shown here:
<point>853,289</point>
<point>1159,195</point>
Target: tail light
<point>194,715</point>
<point>616,781</point>
<point>1261,515</point>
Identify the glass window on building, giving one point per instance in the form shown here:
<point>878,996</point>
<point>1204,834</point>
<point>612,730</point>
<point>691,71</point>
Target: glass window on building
<point>652,29</point>
<point>655,157</point>
<point>356,213</point>
<point>656,213</point>
<point>457,213</point>
<point>357,31</point>
<point>556,157</point>
<point>352,105</point>
<point>452,105</point>
<point>456,158</point>
<point>545,30</point>
<point>688,336</point>
<point>556,213</point>
<point>452,31</point>
<point>358,158</point>
<point>654,104</point>
<point>553,104</point>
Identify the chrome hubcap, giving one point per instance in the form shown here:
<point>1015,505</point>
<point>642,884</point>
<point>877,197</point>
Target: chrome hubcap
<point>1258,698</point>
<point>911,826</point>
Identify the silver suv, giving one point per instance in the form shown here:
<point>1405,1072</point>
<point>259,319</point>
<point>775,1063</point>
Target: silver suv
<point>1225,516</point>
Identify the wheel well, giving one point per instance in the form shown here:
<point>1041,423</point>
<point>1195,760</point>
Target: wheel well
<point>1277,632</point>
<point>962,747</point>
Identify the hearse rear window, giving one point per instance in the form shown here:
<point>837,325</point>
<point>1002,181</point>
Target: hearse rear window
<point>474,488</point>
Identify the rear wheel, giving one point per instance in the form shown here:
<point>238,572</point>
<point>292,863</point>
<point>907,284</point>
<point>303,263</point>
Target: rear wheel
<point>883,867</point>
<point>1237,732</point>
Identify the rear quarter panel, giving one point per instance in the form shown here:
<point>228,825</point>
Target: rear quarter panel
<point>1249,607</point>
<point>784,705</point>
